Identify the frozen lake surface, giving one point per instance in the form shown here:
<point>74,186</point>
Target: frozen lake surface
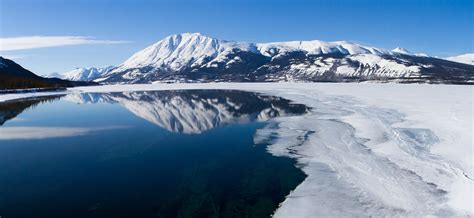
<point>367,149</point>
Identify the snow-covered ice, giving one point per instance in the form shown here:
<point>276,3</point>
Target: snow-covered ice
<point>368,149</point>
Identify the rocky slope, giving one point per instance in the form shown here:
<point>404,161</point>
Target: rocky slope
<point>193,57</point>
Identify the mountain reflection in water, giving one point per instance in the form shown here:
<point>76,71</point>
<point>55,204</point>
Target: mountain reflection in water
<point>195,111</point>
<point>11,109</point>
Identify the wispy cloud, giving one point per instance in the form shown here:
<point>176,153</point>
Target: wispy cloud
<point>32,42</point>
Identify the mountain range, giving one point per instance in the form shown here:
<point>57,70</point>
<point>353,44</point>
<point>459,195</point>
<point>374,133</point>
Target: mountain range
<point>82,73</point>
<point>193,57</point>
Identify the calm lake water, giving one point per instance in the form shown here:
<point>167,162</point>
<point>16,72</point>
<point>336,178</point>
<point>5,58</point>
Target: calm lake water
<point>142,154</point>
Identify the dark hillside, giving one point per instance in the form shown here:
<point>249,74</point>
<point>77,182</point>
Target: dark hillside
<point>14,76</point>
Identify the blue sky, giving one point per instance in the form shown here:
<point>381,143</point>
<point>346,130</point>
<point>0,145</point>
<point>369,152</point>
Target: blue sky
<point>109,31</point>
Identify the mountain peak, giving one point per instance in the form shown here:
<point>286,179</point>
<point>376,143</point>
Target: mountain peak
<point>181,50</point>
<point>401,50</point>
<point>178,51</point>
<point>184,37</point>
<point>85,73</point>
<point>189,34</point>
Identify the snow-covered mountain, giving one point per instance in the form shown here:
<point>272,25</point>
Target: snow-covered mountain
<point>465,58</point>
<point>192,57</point>
<point>54,75</point>
<point>196,111</point>
<point>400,50</point>
<point>85,74</point>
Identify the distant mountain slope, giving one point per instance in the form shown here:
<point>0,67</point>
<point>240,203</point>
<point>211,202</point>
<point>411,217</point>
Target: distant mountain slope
<point>14,76</point>
<point>465,58</point>
<point>54,75</point>
<point>192,57</point>
<point>86,74</point>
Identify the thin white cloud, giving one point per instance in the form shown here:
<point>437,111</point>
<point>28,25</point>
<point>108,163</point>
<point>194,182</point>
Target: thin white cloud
<point>32,42</point>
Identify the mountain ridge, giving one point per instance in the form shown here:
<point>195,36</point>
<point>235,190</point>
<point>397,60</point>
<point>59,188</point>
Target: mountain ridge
<point>86,73</point>
<point>193,57</point>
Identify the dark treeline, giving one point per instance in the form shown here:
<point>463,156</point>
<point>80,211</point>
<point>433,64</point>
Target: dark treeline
<point>16,82</point>
<point>13,82</point>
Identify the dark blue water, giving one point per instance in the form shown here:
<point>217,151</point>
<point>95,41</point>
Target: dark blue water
<point>142,154</point>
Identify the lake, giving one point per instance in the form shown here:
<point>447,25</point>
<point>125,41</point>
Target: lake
<point>143,154</point>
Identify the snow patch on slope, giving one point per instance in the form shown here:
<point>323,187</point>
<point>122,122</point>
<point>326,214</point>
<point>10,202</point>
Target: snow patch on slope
<point>401,51</point>
<point>465,58</point>
<point>54,75</point>
<point>361,65</point>
<point>317,47</point>
<point>86,74</point>
<point>390,67</point>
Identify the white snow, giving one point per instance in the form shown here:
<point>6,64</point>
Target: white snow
<point>465,58</point>
<point>193,49</point>
<point>390,68</point>
<point>416,129</point>
<point>177,51</point>
<point>317,47</point>
<point>401,51</point>
<point>371,63</point>
<point>85,74</point>
<point>54,75</point>
<point>180,51</point>
<point>9,97</point>
<point>368,149</point>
